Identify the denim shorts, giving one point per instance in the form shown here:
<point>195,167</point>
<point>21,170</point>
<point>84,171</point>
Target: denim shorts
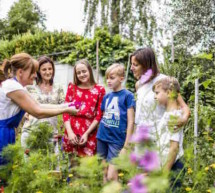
<point>176,170</point>
<point>108,151</point>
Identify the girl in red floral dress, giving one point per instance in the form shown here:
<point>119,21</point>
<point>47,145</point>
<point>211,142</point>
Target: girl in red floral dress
<point>80,132</point>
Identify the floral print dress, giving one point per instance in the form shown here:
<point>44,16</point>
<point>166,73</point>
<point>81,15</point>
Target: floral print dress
<point>56,96</point>
<point>90,100</point>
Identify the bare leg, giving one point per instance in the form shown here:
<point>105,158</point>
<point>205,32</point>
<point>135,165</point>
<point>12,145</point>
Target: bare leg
<point>112,173</point>
<point>104,163</point>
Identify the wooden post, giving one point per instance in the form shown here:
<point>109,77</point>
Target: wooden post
<point>172,48</point>
<point>196,118</point>
<point>97,61</point>
<point>127,70</point>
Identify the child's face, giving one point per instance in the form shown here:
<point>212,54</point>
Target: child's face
<point>83,73</point>
<point>114,81</point>
<point>161,95</point>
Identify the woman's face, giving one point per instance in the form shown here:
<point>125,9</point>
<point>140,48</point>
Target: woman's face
<point>46,71</point>
<point>83,73</point>
<point>136,68</point>
<point>25,76</point>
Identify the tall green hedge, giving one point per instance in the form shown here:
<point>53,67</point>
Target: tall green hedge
<point>111,48</point>
<point>39,43</point>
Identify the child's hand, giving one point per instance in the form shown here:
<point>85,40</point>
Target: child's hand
<point>73,138</point>
<point>123,151</point>
<point>83,139</point>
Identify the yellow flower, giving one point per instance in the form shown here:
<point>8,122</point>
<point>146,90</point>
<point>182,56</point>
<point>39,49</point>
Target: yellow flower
<point>212,165</point>
<point>70,175</point>
<point>206,169</point>
<point>189,171</point>
<point>39,192</point>
<point>209,191</point>
<point>121,174</point>
<point>35,171</point>
<point>188,189</point>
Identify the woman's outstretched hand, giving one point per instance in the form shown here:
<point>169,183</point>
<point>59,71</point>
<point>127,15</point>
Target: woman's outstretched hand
<point>72,110</point>
<point>177,125</point>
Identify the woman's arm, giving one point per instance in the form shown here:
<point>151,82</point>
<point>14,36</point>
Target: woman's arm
<point>28,104</point>
<point>186,111</point>
<point>130,127</point>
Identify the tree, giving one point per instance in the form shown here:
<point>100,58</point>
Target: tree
<point>194,23</point>
<point>24,16</point>
<point>132,19</point>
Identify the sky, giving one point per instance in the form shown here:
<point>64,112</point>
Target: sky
<point>64,15</point>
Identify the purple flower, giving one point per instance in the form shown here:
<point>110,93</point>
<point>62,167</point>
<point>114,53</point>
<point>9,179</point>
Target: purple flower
<point>141,134</point>
<point>149,161</point>
<point>146,76</point>
<point>136,184</point>
<point>75,104</point>
<point>134,158</point>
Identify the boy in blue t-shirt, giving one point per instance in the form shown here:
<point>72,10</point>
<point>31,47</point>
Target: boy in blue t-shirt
<point>116,126</point>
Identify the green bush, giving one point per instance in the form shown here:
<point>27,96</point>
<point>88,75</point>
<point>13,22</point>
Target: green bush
<point>40,43</point>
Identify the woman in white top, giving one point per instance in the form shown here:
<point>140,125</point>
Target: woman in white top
<point>145,70</point>
<point>15,100</point>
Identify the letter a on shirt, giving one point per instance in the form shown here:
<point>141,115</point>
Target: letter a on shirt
<point>111,115</point>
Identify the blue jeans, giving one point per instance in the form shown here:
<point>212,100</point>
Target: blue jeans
<point>108,151</point>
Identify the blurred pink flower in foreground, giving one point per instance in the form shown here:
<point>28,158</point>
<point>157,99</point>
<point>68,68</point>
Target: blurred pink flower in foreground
<point>136,184</point>
<point>141,134</point>
<point>149,161</point>
<point>134,158</point>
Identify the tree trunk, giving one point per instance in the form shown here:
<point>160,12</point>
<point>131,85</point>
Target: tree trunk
<point>115,16</point>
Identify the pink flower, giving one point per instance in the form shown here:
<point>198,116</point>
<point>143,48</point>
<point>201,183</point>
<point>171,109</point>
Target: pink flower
<point>134,158</point>
<point>136,184</point>
<point>141,134</point>
<point>146,76</point>
<point>149,161</point>
<point>75,104</point>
